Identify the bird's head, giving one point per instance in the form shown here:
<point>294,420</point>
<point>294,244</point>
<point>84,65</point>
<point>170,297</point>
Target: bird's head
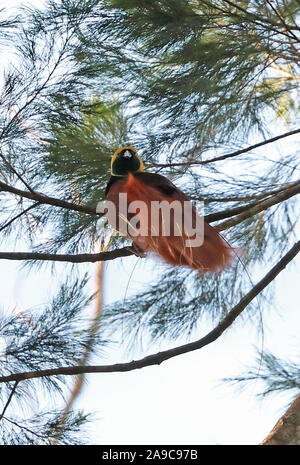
<point>125,160</point>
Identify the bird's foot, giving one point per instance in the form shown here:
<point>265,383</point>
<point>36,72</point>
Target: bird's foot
<point>136,251</point>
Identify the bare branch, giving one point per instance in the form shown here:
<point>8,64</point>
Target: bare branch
<point>79,258</point>
<point>229,155</point>
<point>45,199</point>
<point>260,206</point>
<point>9,399</point>
<point>237,210</point>
<point>158,358</point>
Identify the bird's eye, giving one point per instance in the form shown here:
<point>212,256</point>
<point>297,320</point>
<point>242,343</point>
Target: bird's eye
<point>127,154</point>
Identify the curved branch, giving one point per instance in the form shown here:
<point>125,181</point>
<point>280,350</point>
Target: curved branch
<point>9,399</point>
<point>229,212</point>
<point>229,155</point>
<point>45,199</point>
<point>260,206</point>
<point>158,358</point>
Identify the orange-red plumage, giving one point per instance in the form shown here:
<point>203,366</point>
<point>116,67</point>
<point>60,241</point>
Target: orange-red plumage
<point>213,255</point>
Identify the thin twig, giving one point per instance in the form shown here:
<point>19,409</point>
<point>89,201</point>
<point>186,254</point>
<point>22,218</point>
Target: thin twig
<point>13,170</point>
<point>229,155</point>
<point>9,399</point>
<point>259,207</point>
<point>287,26</point>
<point>24,428</point>
<point>18,216</point>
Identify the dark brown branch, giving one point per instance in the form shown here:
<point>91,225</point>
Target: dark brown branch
<point>45,199</point>
<point>158,358</point>
<point>229,212</point>
<point>229,155</point>
<point>79,258</point>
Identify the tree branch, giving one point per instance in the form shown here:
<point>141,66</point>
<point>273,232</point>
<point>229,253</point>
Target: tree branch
<point>237,210</point>
<point>229,155</point>
<point>9,399</point>
<point>158,358</point>
<point>260,206</point>
<point>19,215</point>
<point>286,432</point>
<point>247,211</point>
<point>79,258</point>
<point>45,199</point>
<point>246,198</point>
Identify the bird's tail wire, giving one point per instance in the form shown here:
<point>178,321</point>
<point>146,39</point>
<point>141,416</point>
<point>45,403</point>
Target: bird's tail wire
<point>258,303</point>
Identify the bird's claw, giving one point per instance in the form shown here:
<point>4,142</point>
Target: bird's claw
<point>136,251</point>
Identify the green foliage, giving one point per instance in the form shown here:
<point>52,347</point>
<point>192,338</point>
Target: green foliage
<point>43,429</point>
<point>276,375</point>
<point>76,156</point>
<point>54,336</point>
<point>204,63</point>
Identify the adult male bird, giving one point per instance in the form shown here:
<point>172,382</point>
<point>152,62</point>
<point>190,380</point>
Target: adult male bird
<point>171,242</point>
